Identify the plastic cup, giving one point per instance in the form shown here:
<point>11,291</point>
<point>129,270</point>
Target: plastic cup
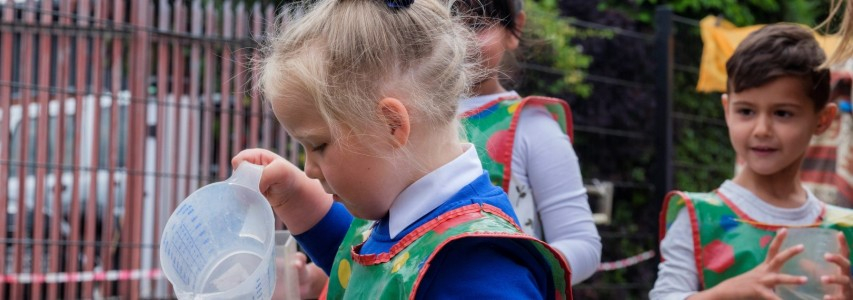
<point>287,280</point>
<point>218,243</point>
<point>810,263</point>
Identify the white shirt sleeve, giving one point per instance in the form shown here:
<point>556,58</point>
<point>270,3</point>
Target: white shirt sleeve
<point>677,274</point>
<point>544,157</point>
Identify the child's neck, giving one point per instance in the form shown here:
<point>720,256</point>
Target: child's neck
<point>781,189</point>
<point>434,150</point>
<point>488,87</point>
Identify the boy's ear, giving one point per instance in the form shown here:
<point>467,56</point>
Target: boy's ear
<point>825,117</point>
<point>396,118</point>
<point>514,41</point>
<point>724,100</point>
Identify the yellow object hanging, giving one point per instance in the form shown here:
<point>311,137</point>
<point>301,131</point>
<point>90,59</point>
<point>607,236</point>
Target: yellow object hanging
<point>719,39</point>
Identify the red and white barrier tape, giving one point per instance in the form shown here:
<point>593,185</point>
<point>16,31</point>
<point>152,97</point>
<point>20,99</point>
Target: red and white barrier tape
<point>624,263</point>
<point>114,275</point>
<point>118,275</point>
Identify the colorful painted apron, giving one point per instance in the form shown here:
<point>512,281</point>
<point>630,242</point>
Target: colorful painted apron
<point>491,128</point>
<point>726,241</point>
<point>397,273</point>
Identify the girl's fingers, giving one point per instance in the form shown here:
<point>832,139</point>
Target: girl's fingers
<point>774,279</point>
<point>778,260</point>
<point>299,256</point>
<point>776,244</point>
<point>299,261</point>
<point>256,156</point>
<point>278,176</point>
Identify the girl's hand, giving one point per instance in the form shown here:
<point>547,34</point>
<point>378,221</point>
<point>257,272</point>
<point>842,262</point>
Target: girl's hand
<point>845,290</point>
<point>312,279</point>
<point>299,201</point>
<point>278,178</point>
<point>759,283</point>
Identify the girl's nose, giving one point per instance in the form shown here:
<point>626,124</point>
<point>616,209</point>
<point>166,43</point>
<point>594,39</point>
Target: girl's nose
<point>311,169</point>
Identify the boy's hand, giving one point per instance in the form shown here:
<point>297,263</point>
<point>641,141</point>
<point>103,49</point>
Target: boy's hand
<point>298,200</point>
<point>845,290</point>
<point>759,283</point>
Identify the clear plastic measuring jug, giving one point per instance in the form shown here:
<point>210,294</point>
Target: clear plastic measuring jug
<point>218,243</point>
<point>809,263</point>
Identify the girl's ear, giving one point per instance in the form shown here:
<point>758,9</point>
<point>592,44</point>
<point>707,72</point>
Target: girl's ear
<point>514,37</point>
<point>825,117</point>
<point>396,118</point>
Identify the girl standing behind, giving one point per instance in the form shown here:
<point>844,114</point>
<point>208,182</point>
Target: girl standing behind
<point>525,145</point>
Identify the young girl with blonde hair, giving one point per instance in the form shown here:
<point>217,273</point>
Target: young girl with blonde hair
<point>390,203</point>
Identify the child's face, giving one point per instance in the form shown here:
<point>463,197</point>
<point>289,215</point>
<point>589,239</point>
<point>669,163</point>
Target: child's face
<point>770,126</point>
<point>493,41</point>
<point>351,172</point>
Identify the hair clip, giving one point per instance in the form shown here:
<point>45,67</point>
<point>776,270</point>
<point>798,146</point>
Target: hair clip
<point>399,3</point>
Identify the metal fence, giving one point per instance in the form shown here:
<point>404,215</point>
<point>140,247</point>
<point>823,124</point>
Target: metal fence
<point>112,112</point>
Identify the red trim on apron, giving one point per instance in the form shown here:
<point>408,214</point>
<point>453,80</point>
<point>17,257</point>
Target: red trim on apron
<point>514,123</point>
<point>519,235</point>
<point>450,216</point>
<point>694,229</point>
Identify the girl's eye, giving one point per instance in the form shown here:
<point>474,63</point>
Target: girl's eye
<point>319,148</point>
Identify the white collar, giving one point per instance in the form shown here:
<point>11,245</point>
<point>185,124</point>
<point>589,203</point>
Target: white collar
<point>432,190</point>
<point>474,102</point>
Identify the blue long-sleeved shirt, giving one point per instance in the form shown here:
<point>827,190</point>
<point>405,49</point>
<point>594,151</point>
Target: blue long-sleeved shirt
<point>493,268</point>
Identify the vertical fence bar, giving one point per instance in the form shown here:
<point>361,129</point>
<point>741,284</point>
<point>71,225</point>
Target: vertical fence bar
<point>194,104</point>
<point>163,25</point>
<point>162,89</point>
<point>136,138</point>
<point>74,217</point>
<point>94,163</point>
<point>62,59</point>
<point>240,80</point>
<point>255,98</point>
<point>41,141</point>
<point>225,90</point>
<point>26,88</point>
<point>663,120</point>
<point>178,136</point>
<point>116,63</point>
<point>5,103</point>
<point>91,214</point>
<point>207,118</point>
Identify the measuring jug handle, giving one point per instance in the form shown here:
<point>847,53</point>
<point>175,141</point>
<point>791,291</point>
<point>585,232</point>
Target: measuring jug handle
<point>247,175</point>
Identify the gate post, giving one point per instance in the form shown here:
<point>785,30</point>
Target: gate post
<point>662,173</point>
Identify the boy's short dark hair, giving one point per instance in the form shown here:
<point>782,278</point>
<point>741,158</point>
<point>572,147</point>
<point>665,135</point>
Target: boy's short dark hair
<point>779,50</point>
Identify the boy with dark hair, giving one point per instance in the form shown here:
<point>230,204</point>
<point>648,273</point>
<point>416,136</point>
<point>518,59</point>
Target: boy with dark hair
<point>726,244</point>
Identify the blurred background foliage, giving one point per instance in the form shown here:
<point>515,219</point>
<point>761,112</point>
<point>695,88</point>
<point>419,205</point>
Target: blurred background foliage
<point>739,12</point>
